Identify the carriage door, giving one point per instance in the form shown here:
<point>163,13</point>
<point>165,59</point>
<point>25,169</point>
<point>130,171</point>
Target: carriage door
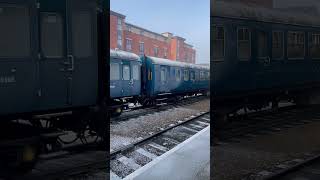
<point>54,62</point>
<point>126,78</point>
<point>263,58</point>
<point>136,78</point>
<point>82,62</point>
<point>68,62</point>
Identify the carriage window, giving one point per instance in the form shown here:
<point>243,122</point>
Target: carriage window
<point>262,44</point>
<point>277,45</point>
<point>244,44</point>
<point>192,76</point>
<point>178,75</point>
<point>218,43</point>
<point>52,35</point>
<point>114,71</point>
<point>186,75</point>
<point>197,75</point>
<point>163,76</point>
<point>82,34</point>
<point>136,72</point>
<point>315,45</point>
<point>126,72</point>
<point>201,75</point>
<point>208,75</point>
<point>296,45</point>
<point>14,31</point>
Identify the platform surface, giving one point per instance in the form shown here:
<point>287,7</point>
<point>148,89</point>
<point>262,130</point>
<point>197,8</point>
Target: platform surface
<point>189,160</point>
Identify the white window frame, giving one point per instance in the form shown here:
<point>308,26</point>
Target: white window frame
<point>127,47</point>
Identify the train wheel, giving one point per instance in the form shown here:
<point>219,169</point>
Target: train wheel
<point>22,160</point>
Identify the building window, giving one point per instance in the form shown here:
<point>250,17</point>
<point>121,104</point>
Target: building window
<point>141,48</point>
<point>262,44</point>
<point>129,28</point>
<point>119,24</point>
<point>114,71</point>
<point>218,43</point>
<point>128,44</point>
<point>156,51</point>
<point>315,46</point>
<point>119,33</point>
<point>277,45</point>
<point>296,45</point>
<point>178,50</point>
<point>244,43</point>
<point>165,50</point>
<point>141,32</point>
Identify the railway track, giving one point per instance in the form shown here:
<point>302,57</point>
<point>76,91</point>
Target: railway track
<point>306,167</point>
<point>142,111</point>
<point>128,159</point>
<point>71,161</point>
<point>266,122</point>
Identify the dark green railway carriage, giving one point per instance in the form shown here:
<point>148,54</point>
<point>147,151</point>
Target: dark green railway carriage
<point>49,66</point>
<point>262,55</point>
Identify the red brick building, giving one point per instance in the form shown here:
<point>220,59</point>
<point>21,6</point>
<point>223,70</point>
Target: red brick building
<point>128,37</point>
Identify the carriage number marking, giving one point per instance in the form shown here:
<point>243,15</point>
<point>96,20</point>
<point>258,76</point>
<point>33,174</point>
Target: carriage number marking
<point>7,79</point>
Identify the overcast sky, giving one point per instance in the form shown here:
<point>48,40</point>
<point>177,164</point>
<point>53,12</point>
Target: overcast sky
<point>186,18</point>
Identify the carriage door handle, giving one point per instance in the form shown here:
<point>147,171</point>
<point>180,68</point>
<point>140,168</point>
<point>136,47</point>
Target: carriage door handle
<point>267,61</point>
<point>71,58</point>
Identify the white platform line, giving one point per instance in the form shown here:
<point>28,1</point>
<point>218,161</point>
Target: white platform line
<point>159,147</point>
<point>206,119</point>
<point>113,176</point>
<point>160,158</point>
<point>204,123</point>
<point>146,153</point>
<point>184,127</point>
<point>129,162</point>
<point>196,126</point>
<point>171,140</point>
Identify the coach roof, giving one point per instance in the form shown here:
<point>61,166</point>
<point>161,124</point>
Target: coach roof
<point>238,10</point>
<point>167,62</point>
<point>119,54</point>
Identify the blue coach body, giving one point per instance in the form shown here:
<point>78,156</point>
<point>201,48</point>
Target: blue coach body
<point>163,76</point>
<point>125,74</point>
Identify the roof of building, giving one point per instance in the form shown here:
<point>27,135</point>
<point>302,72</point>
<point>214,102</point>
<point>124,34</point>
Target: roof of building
<point>117,14</point>
<point>119,54</point>
<point>145,30</point>
<point>161,61</point>
<point>239,10</point>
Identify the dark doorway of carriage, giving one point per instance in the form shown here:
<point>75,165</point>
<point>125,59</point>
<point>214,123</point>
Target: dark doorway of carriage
<point>68,64</point>
<point>263,58</point>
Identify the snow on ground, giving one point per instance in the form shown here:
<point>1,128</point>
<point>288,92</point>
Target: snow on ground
<point>132,130</point>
